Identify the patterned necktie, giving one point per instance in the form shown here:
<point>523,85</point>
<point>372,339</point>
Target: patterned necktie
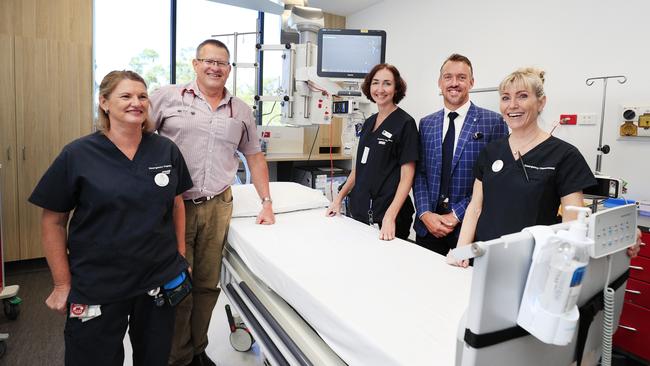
<point>447,156</point>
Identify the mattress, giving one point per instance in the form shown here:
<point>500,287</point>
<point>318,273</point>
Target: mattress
<point>373,302</point>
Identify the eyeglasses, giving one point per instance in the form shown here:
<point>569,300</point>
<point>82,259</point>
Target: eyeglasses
<point>213,63</point>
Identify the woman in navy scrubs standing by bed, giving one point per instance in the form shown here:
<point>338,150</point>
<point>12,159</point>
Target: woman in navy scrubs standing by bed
<point>126,236</point>
<point>381,179</point>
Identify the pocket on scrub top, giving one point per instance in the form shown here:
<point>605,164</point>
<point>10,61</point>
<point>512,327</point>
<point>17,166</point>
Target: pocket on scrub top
<point>539,175</point>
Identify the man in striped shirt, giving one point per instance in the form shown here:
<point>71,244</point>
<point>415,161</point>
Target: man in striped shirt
<point>209,125</point>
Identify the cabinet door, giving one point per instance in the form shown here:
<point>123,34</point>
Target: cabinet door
<point>8,175</point>
<point>53,107</point>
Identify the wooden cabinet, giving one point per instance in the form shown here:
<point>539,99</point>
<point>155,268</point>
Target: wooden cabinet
<point>45,103</point>
<point>633,334</point>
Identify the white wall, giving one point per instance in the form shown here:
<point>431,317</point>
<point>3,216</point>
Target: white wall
<point>572,40</point>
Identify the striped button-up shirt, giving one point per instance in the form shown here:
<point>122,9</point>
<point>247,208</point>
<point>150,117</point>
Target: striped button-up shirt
<point>207,139</point>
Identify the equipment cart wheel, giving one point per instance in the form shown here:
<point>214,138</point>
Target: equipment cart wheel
<point>12,307</point>
<point>240,338</point>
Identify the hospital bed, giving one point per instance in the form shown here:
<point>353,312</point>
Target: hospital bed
<point>315,290</point>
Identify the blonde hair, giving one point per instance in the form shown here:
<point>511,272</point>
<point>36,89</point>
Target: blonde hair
<point>107,86</point>
<point>530,78</point>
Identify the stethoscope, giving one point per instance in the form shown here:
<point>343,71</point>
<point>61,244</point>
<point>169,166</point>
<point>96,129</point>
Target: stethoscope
<point>189,107</point>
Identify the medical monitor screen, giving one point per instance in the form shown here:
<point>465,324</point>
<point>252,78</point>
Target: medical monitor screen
<point>349,53</point>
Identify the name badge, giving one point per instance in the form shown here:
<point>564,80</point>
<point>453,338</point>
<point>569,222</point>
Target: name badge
<point>364,157</point>
<point>497,166</point>
<point>387,134</point>
<point>161,179</point>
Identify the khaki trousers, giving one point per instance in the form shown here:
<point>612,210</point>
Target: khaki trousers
<point>206,229</point>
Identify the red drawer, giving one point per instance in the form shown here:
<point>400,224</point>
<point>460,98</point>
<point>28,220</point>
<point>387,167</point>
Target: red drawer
<point>638,293</point>
<point>645,249</point>
<point>640,269</point>
<point>633,333</point>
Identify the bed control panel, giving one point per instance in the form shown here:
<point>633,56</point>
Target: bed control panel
<point>612,230</point>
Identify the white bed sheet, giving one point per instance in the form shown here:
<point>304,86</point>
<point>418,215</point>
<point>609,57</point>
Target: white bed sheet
<point>373,302</point>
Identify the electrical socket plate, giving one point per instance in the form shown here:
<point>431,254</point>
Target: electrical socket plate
<point>586,118</point>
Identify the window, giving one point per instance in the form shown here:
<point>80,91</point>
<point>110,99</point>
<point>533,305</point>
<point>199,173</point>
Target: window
<point>137,39</point>
<point>199,20</point>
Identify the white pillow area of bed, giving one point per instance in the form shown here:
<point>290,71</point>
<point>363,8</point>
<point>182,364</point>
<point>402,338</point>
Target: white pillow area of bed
<point>287,197</point>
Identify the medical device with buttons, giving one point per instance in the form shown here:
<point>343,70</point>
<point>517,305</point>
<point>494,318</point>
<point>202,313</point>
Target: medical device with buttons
<point>548,295</point>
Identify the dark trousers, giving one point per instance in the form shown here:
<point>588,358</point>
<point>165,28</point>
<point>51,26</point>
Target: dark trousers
<point>99,341</point>
<point>442,245</point>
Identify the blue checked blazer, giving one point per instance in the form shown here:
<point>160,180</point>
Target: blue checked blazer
<point>427,174</point>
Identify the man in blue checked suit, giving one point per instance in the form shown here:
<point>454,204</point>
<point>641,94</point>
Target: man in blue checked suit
<point>451,140</point>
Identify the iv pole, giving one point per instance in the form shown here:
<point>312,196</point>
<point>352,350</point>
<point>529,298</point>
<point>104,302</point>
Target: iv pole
<point>603,149</point>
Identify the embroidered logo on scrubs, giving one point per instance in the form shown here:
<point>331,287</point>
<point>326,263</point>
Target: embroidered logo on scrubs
<point>497,166</point>
<point>161,178</point>
<point>386,133</point>
<point>383,141</point>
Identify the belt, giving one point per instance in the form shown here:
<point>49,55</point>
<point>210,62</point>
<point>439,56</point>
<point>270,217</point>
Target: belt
<point>200,200</point>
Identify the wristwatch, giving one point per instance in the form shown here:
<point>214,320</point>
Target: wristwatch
<point>267,199</point>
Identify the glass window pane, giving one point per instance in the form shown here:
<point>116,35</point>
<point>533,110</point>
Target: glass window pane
<point>199,20</point>
<point>144,48</point>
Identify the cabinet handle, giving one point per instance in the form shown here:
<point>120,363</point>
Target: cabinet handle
<point>628,328</point>
<point>9,154</point>
<point>633,292</point>
<point>639,268</point>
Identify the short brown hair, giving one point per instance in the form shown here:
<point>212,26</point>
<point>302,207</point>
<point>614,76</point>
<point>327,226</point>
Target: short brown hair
<point>400,84</point>
<point>212,42</point>
<point>106,87</point>
<point>457,57</point>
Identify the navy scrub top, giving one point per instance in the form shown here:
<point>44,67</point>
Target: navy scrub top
<point>121,238</point>
<point>377,176</point>
<point>510,201</point>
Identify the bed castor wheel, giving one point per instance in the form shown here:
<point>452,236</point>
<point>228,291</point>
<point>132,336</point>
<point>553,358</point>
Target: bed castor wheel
<point>12,307</point>
<point>3,348</point>
<point>240,338</point>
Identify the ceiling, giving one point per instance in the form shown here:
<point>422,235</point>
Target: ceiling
<point>342,7</point>
<point>337,7</point>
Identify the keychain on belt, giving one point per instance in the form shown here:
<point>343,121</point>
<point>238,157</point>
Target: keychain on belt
<point>370,219</point>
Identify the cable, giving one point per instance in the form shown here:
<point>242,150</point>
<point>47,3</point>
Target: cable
<point>271,111</point>
<point>310,151</point>
<point>608,318</point>
<point>331,164</point>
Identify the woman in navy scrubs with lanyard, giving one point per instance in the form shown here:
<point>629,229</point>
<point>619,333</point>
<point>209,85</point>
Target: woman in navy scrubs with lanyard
<point>522,180</point>
<point>125,241</point>
<point>388,149</point>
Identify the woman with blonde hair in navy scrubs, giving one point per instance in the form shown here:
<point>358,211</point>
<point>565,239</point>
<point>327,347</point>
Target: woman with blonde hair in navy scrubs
<point>125,241</point>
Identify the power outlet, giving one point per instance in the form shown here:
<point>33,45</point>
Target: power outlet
<point>587,119</point>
